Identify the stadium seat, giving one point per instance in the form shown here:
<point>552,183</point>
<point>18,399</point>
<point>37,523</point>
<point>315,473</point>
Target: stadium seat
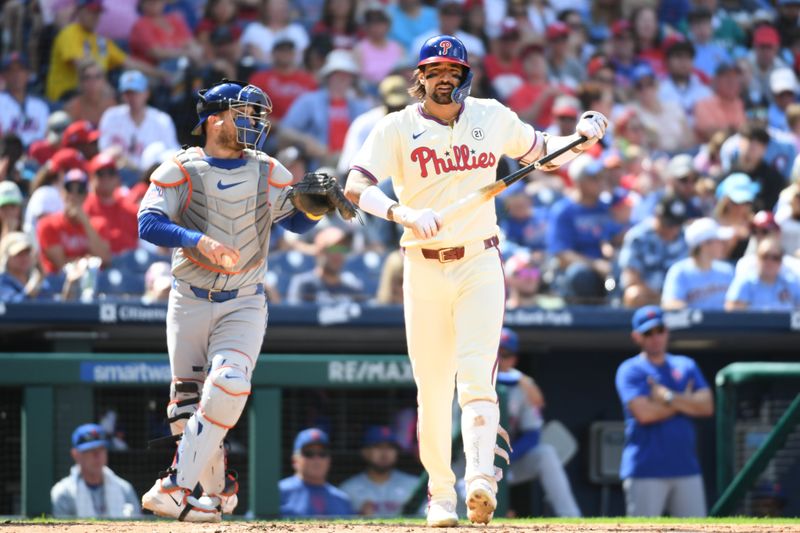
<point>367,267</point>
<point>116,282</point>
<point>284,265</point>
<point>56,283</point>
<point>138,260</point>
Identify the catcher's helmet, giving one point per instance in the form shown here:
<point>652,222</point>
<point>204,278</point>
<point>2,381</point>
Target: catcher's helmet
<point>249,105</point>
<point>448,49</point>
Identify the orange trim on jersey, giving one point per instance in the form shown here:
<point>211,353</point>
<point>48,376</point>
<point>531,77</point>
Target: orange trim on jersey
<point>220,270</point>
<point>203,413</point>
<point>175,380</point>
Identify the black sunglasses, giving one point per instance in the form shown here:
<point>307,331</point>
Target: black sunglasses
<point>76,188</point>
<point>310,454</point>
<point>658,330</point>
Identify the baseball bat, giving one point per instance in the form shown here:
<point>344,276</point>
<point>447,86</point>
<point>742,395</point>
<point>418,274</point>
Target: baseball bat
<point>488,192</point>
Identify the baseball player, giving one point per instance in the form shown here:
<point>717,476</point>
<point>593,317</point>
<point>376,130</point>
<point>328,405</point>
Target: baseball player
<point>437,151</point>
<point>215,206</point>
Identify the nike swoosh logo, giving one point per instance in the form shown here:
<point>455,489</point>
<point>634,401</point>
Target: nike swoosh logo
<point>221,186</point>
<point>176,502</point>
<point>415,135</point>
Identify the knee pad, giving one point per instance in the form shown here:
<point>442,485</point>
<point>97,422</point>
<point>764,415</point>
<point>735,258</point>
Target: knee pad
<point>226,389</point>
<point>184,398</point>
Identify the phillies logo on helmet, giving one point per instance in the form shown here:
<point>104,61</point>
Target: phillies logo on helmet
<point>445,46</point>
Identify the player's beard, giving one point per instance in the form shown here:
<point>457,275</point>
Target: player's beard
<point>442,98</point>
<point>230,140</point>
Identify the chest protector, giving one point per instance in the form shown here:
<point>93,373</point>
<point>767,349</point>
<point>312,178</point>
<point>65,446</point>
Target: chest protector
<point>230,206</point>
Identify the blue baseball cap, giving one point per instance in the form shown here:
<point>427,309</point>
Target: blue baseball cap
<point>642,71</point>
<point>646,318</point>
<point>132,80</point>
<point>88,437</point>
<point>379,435</point>
<point>310,436</point>
<point>739,187</point>
<point>509,340</point>
<point>14,58</point>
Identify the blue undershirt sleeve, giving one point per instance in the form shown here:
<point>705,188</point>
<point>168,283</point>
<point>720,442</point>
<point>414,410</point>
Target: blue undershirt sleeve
<point>297,222</point>
<point>157,228</point>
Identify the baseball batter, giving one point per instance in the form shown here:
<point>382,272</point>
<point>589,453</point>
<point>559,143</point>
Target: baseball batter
<point>215,207</point>
<point>436,152</point>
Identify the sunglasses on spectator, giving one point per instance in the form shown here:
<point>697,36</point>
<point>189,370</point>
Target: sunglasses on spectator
<point>75,188</point>
<point>310,454</point>
<point>777,258</point>
<point>658,330</point>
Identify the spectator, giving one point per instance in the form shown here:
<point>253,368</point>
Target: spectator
<point>23,113</point>
<point>661,393</point>
<point>161,38</point>
<point>10,208</point>
<point>157,283</point>
<point>134,125</point>
<point>650,248</point>
<point>274,24</point>
<point>92,489</point>
<point>764,226</point>
<point>701,280</point>
<point>768,287</point>
<point>779,154</point>
<point>318,121</point>
<point>530,458</point>
<point>680,181</point>
<point>710,53</point>
<point>327,283</point>
<point>307,494</point>
<point>503,62</point>
<point>523,225</point>
<point>523,282</point>
<point>533,99</point>
<point>46,194</point>
<point>723,110</point>
<point>750,158</point>
<point>575,230</point>
<point>94,95</point>
<point>217,14</point>
<point>566,110</point>
<point>113,218</point>
<point>763,59</point>
<point>285,81</point>
<point>735,197</point>
<point>79,40</point>
<point>681,84</point>
<point>450,18</point>
<point>377,55</point>
<point>647,35</point>
<point>788,218</point>
<point>622,55</point>
<point>67,235</point>
<point>409,19</point>
<point>390,285</point>
<point>20,280</point>
<point>381,490</point>
<point>42,150</point>
<point>338,23</point>
<point>784,87</point>
<point>664,121</point>
<point>565,68</point>
<point>81,136</point>
<point>223,58</point>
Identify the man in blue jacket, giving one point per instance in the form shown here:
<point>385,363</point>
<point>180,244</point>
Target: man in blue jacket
<point>661,393</point>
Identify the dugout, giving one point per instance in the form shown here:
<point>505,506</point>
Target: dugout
<point>573,354</point>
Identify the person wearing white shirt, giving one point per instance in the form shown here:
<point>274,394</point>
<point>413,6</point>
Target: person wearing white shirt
<point>134,125</point>
<point>23,115</point>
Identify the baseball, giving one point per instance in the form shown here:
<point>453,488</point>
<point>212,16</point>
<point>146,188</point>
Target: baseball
<point>227,261</point>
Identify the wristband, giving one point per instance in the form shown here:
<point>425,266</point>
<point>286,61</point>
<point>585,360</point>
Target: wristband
<point>375,202</point>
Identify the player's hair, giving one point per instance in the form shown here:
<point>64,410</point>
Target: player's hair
<point>417,90</point>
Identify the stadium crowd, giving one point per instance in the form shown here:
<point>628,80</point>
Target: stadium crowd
<point>692,198</point>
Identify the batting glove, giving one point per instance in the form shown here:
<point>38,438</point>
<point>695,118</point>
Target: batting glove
<point>425,223</point>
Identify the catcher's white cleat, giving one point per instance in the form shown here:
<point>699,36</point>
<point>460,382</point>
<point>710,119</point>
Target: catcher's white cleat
<point>442,513</point>
<point>481,501</point>
<point>166,498</point>
<point>227,500</point>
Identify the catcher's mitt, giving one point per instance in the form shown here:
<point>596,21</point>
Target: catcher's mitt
<point>318,194</point>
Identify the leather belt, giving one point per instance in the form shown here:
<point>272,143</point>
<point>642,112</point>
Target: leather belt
<point>447,255</point>
<point>216,296</point>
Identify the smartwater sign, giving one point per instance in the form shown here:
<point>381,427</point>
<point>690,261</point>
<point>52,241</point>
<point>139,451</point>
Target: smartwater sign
<point>125,372</point>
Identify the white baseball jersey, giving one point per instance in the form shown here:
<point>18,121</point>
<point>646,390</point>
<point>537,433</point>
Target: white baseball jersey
<point>433,165</point>
<point>117,128</point>
<point>27,120</point>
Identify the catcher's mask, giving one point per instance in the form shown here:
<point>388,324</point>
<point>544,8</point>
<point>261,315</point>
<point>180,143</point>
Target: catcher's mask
<point>249,107</point>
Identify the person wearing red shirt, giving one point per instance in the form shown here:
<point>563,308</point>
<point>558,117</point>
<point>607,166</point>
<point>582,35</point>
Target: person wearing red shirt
<point>285,81</point>
<point>68,235</point>
<point>112,217</point>
<point>158,36</point>
<point>533,100</point>
<point>504,57</point>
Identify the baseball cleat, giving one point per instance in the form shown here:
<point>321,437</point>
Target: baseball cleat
<point>442,513</point>
<point>227,500</point>
<point>481,501</point>
<point>166,498</point>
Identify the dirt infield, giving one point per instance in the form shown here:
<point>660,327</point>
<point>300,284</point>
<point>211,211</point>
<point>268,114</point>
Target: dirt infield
<point>331,527</point>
